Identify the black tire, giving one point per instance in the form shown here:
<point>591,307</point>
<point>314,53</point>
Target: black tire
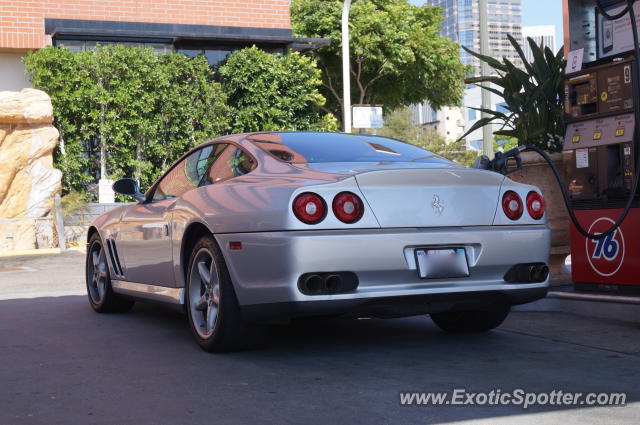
<point>230,332</point>
<point>481,320</point>
<point>108,301</point>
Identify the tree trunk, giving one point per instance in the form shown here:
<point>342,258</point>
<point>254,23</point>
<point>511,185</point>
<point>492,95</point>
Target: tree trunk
<point>103,144</point>
<point>137,171</point>
<point>103,148</point>
<point>103,158</point>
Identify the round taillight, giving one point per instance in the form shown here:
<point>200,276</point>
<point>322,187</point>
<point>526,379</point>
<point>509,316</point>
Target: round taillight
<point>535,205</point>
<point>348,207</point>
<point>512,205</point>
<point>309,208</point>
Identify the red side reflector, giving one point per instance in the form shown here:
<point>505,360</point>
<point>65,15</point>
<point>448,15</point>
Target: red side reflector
<point>236,245</point>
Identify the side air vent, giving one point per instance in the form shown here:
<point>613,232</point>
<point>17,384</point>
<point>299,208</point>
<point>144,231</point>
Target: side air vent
<point>113,254</point>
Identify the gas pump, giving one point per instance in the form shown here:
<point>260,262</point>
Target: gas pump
<point>599,104</point>
<point>602,106</point>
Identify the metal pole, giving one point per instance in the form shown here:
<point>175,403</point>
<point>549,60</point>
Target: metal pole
<point>62,243</point>
<point>487,131</point>
<point>346,79</point>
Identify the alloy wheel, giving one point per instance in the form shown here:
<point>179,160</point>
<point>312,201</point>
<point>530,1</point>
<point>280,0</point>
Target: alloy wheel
<point>97,272</point>
<point>204,293</point>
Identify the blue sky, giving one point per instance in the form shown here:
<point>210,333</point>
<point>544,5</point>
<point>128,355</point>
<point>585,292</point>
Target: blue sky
<point>538,12</point>
<point>543,12</point>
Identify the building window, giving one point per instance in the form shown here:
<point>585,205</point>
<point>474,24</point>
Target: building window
<point>216,54</point>
<point>472,114</point>
<point>476,145</point>
<point>81,45</point>
<point>502,107</point>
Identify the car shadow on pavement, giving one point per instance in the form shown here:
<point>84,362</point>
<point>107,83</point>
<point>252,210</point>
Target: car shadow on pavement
<point>71,365</point>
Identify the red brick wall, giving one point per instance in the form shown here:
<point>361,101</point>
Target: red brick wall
<point>22,21</point>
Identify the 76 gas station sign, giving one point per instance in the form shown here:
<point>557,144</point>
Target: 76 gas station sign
<point>610,260</point>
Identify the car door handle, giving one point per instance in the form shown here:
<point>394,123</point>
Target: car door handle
<point>166,230</point>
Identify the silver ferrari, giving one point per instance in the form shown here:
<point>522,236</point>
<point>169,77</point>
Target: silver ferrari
<point>252,229</point>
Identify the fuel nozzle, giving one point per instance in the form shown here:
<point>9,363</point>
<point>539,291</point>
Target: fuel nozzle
<point>503,162</point>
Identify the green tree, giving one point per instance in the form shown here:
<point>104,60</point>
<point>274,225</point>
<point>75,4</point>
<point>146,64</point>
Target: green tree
<point>398,57</point>
<point>127,111</point>
<point>59,73</point>
<point>269,92</point>
<point>398,125</point>
<point>123,110</point>
<point>504,143</point>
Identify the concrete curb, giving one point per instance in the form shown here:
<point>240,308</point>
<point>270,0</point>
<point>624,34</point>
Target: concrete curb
<point>43,251</point>
<point>48,294</point>
<point>611,307</point>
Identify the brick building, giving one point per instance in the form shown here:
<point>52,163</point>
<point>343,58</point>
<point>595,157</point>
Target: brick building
<point>211,27</point>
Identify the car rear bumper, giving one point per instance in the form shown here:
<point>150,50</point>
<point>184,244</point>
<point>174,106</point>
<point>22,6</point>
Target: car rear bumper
<point>390,307</point>
<point>266,270</point>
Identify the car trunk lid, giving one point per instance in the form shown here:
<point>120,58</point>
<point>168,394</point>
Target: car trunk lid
<point>431,197</point>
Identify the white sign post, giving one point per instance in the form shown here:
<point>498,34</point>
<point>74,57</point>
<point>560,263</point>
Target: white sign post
<point>106,194</point>
<point>367,116</point>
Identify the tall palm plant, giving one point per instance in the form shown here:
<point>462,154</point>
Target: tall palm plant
<point>533,97</point>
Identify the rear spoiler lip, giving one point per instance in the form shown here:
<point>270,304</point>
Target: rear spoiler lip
<point>342,168</point>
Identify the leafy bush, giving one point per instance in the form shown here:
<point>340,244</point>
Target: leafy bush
<point>126,111</point>
<point>533,97</point>
<point>74,202</point>
<point>269,92</point>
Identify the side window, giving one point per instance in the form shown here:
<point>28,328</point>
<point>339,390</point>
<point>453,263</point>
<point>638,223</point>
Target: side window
<point>197,163</point>
<point>232,162</point>
<point>188,173</point>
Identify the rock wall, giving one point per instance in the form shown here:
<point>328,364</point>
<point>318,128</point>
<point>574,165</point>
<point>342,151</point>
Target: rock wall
<point>28,181</point>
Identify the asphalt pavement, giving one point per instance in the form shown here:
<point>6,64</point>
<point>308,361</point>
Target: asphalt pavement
<point>61,363</point>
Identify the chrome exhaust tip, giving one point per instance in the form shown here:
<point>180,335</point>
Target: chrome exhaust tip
<point>539,273</point>
<point>313,284</point>
<point>527,273</point>
<point>332,283</point>
<point>326,283</point>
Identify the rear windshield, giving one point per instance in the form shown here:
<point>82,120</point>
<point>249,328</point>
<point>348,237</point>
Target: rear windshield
<point>336,147</point>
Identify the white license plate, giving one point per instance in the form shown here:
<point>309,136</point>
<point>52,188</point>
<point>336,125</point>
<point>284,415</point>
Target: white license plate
<point>441,263</point>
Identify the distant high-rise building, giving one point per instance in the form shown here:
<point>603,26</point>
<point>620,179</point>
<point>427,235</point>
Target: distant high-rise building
<point>543,35</point>
<point>448,122</point>
<point>461,24</point>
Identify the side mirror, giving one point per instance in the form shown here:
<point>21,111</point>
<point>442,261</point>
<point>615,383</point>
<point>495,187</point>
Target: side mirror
<point>128,187</point>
